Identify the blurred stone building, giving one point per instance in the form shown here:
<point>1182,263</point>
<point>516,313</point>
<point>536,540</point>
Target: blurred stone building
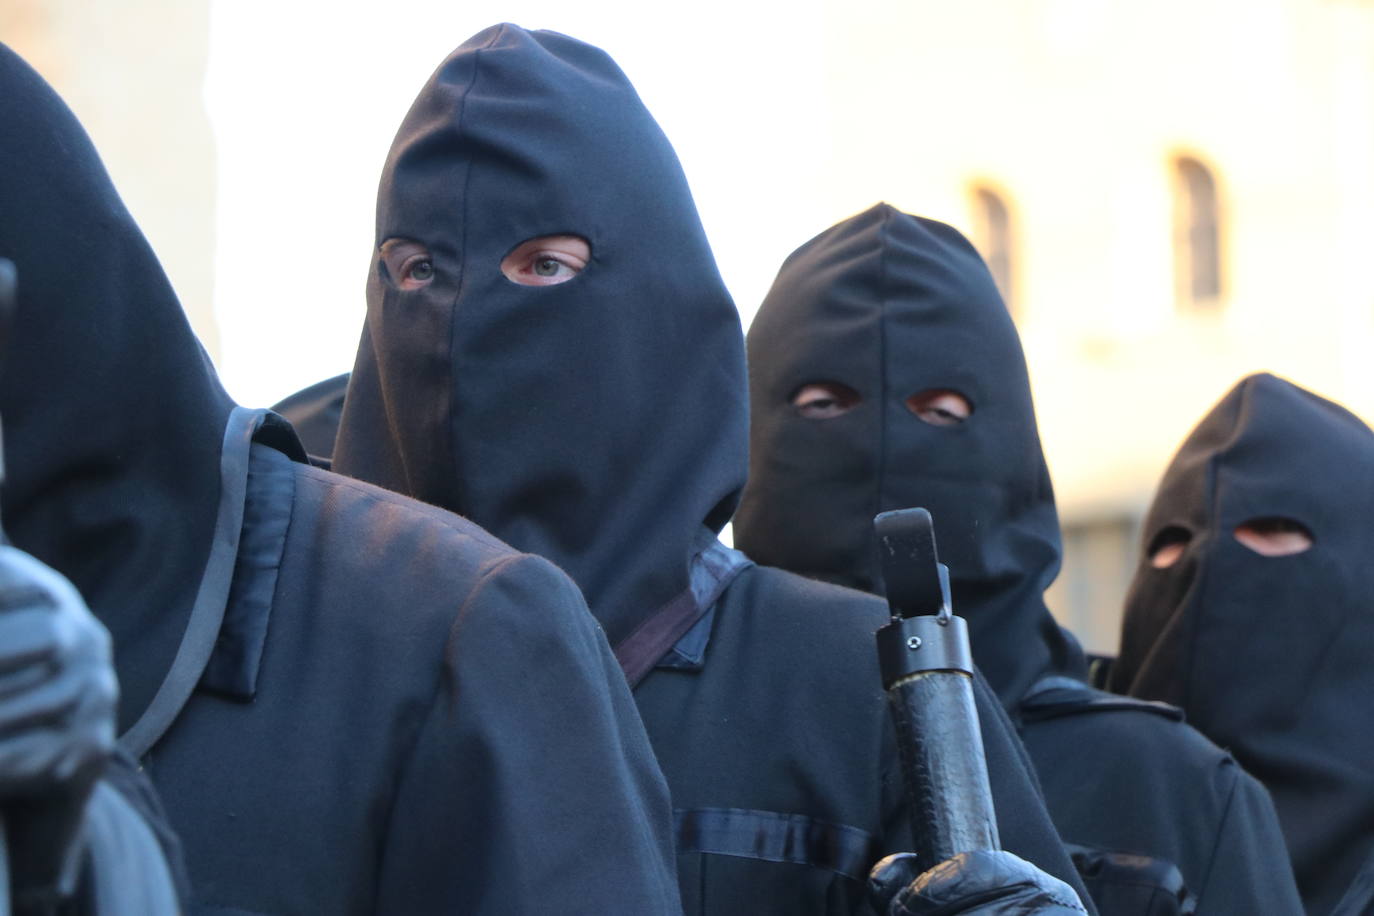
<point>134,73</point>
<point>1171,194</point>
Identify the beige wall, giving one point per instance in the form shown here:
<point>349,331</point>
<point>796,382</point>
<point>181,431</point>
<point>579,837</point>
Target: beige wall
<point>133,71</point>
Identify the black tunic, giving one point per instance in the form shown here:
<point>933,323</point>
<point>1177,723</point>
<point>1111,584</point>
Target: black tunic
<point>1270,656</point>
<point>893,305</point>
<point>386,709</point>
<point>602,423</point>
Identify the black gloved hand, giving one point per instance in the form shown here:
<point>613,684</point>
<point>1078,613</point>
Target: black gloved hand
<point>57,704</point>
<point>982,883</point>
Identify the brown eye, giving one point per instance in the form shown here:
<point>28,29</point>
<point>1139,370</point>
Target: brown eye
<point>1168,546</point>
<point>1274,536</point>
<point>823,400</point>
<point>940,406</point>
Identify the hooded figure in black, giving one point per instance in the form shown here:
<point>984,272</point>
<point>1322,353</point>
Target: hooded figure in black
<point>549,350</point>
<point>885,372</point>
<point>349,702</point>
<point>1251,610</point>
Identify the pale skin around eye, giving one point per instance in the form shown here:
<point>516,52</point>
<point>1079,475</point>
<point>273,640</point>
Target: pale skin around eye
<point>547,260</point>
<point>939,407</point>
<point>544,261</point>
<point>1167,555</point>
<point>407,262</point>
<point>1273,537</point>
<point>936,406</point>
<point>1269,537</point>
<point>823,400</point>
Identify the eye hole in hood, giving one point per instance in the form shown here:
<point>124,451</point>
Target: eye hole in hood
<point>1274,536</point>
<point>405,263</point>
<point>824,400</point>
<point>940,406</point>
<point>547,260</point>
<point>1168,545</point>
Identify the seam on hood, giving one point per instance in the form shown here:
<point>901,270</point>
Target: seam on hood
<point>450,382</point>
<point>880,477</point>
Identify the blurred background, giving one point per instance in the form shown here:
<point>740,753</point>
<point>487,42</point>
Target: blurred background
<point>1171,195</point>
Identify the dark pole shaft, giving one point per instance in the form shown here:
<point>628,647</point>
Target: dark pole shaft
<point>927,671</point>
<point>943,765</point>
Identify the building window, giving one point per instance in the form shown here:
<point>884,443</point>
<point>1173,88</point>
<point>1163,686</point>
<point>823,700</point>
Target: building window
<point>992,236</point>
<point>1197,235</point>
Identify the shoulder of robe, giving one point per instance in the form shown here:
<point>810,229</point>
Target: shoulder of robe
<point>372,545</point>
<point>775,624</point>
<point>400,511</point>
<point>1057,697</point>
<point>823,607</point>
<point>1157,733</point>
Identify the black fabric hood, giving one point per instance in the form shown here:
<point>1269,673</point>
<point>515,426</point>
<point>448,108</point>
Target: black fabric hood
<point>113,417</point>
<point>892,305</point>
<point>598,422</point>
<point>1270,657</point>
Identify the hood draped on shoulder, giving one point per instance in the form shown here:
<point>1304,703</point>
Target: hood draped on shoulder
<point>1269,656</point>
<point>892,305</point>
<point>113,416</point>
<point>599,422</point>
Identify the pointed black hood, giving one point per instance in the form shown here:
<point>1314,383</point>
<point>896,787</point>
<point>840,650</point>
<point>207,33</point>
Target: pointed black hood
<point>891,305</point>
<point>1270,657</point>
<point>599,422</point>
<point>113,417</point>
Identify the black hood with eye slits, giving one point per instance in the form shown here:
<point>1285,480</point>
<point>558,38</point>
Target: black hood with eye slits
<point>1271,657</point>
<point>599,422</point>
<point>892,305</point>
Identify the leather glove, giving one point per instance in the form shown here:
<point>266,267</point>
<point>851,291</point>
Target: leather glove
<point>985,883</point>
<point>57,706</point>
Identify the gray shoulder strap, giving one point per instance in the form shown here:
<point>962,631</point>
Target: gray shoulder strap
<point>207,613</point>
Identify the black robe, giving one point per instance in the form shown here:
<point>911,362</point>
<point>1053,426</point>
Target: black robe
<point>386,710</point>
<point>1271,656</point>
<point>314,414</point>
<point>602,423</point>
<point>892,305</point>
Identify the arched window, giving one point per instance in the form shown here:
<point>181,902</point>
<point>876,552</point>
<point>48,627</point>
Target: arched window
<point>1197,235</point>
<point>992,236</point>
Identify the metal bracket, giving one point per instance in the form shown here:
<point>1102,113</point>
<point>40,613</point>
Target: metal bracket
<point>924,634</point>
<point>917,645</point>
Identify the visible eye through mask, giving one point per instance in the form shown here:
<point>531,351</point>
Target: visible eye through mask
<point>824,400</point>
<point>406,263</point>
<point>1168,546</point>
<point>1274,536</point>
<point>547,260</point>
<point>940,406</point>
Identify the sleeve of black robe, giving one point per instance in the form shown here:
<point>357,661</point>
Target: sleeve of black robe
<point>534,714</point>
<point>1023,823</point>
<point>1250,871</point>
